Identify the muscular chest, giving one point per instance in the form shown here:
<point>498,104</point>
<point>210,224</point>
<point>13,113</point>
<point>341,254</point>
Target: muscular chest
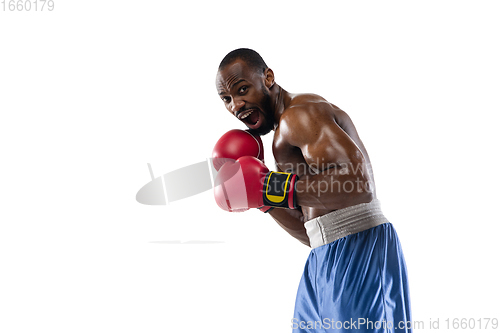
<point>289,158</point>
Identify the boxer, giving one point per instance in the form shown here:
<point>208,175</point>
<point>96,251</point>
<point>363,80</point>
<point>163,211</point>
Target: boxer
<point>323,194</point>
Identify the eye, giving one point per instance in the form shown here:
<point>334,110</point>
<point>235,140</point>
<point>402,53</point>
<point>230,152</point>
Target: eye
<point>226,99</point>
<point>243,89</point>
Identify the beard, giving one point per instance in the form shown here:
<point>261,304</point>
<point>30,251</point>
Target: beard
<point>268,123</point>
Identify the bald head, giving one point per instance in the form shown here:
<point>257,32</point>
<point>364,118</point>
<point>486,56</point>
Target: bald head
<point>250,57</point>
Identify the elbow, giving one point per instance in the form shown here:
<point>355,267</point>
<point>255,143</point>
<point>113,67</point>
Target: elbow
<point>304,240</point>
<point>360,174</point>
<point>363,189</point>
<point>366,197</point>
<point>357,185</point>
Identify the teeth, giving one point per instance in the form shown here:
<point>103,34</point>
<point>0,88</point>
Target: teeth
<point>246,115</point>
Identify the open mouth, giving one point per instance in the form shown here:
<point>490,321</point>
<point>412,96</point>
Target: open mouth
<point>250,117</point>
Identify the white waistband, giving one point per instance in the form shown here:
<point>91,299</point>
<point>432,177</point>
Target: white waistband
<point>343,222</point>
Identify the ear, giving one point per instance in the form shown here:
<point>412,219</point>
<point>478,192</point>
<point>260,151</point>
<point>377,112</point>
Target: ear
<point>269,78</point>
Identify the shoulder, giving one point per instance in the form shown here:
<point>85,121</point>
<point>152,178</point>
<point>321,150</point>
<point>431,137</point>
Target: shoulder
<point>306,99</point>
<point>304,107</point>
<point>305,118</point>
<point>306,110</point>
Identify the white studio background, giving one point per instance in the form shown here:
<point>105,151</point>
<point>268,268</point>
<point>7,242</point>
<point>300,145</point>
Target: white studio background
<point>94,90</point>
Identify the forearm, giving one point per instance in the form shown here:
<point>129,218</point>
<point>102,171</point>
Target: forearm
<point>292,221</point>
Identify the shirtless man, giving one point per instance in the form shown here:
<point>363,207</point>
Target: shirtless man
<point>355,276</point>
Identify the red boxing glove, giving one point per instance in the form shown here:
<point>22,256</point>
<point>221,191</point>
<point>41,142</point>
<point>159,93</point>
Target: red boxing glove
<point>247,183</point>
<point>235,144</point>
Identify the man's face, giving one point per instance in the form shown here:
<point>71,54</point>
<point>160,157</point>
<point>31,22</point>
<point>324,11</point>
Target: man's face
<point>246,96</point>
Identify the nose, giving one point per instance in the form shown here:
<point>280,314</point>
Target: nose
<point>236,105</point>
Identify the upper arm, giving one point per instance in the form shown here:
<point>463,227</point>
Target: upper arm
<point>323,143</point>
<point>345,122</point>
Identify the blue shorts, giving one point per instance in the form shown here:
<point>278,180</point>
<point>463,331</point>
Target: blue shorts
<point>357,283</point>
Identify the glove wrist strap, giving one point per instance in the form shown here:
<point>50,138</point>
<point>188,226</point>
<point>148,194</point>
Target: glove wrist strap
<point>279,190</point>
